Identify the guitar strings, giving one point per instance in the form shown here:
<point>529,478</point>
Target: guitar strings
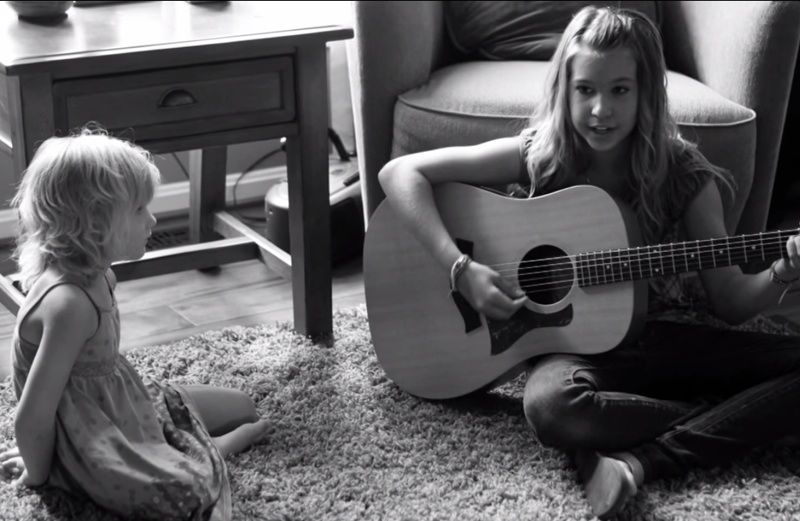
<point>567,269</point>
<point>705,245</point>
<point>539,274</point>
<point>618,257</point>
<point>553,285</point>
<point>550,284</point>
<point>700,247</point>
<point>534,282</point>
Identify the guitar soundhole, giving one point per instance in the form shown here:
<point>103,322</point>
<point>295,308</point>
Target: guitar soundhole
<point>545,274</point>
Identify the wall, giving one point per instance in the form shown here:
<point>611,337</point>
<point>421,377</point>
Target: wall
<point>785,205</point>
<point>172,197</point>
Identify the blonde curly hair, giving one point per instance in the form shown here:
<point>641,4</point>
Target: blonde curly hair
<point>70,197</point>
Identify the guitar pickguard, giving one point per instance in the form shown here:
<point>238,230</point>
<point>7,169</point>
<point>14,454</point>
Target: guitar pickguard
<point>504,333</point>
<point>471,318</point>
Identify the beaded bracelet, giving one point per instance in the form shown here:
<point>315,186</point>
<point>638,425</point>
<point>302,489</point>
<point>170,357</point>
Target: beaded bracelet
<point>775,279</point>
<point>457,269</point>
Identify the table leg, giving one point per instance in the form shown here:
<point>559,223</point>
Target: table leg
<point>32,120</point>
<point>207,171</point>
<point>309,199</point>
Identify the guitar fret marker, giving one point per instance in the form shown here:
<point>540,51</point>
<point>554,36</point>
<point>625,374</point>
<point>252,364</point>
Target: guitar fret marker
<point>672,256</point>
<point>641,275</point>
<point>630,270</point>
<point>727,244</point>
<point>685,260</point>
<point>660,259</point>
<point>744,249</point>
<point>699,258</point>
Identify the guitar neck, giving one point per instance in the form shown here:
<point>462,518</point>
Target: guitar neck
<point>606,267</point>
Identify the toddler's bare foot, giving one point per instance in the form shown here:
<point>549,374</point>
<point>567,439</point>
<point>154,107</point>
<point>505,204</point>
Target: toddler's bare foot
<point>257,430</point>
<point>242,437</point>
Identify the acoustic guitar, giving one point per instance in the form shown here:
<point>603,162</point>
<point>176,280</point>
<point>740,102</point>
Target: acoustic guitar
<point>570,251</point>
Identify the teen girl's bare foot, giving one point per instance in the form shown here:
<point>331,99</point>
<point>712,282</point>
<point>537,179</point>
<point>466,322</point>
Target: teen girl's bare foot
<point>608,482</point>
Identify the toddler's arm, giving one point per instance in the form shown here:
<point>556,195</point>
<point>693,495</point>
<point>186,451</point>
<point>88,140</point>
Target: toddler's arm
<point>11,464</point>
<point>67,319</point>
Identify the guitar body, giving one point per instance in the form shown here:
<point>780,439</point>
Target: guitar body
<point>435,346</point>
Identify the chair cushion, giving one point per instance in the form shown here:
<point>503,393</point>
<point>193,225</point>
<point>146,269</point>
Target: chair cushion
<point>471,102</point>
<point>510,30</point>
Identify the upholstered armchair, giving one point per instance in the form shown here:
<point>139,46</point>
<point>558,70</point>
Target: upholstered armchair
<point>730,63</point>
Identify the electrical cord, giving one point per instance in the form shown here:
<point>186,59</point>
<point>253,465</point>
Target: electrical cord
<point>240,177</point>
<point>180,164</point>
<point>246,171</point>
<point>343,153</point>
<point>333,136</point>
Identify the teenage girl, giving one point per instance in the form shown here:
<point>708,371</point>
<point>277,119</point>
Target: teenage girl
<point>683,395</point>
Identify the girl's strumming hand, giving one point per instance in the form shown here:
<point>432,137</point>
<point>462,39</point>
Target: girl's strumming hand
<point>490,293</point>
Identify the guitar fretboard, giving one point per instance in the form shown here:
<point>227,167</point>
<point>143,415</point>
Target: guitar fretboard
<point>609,266</point>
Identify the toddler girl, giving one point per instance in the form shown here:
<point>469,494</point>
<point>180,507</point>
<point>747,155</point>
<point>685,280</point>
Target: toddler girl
<point>85,421</point>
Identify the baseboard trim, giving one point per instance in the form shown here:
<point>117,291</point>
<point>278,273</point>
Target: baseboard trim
<point>173,198</point>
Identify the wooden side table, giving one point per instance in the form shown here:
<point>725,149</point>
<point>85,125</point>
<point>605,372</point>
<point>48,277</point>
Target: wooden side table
<point>179,76</point>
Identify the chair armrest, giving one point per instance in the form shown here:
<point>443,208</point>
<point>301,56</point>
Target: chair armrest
<point>396,47</point>
<point>747,52</point>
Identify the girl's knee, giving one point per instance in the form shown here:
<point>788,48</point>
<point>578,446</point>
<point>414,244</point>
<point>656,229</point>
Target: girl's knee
<point>555,405</point>
<point>241,405</point>
<point>222,409</point>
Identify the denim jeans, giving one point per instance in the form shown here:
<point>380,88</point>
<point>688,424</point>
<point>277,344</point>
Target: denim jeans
<point>684,396</point>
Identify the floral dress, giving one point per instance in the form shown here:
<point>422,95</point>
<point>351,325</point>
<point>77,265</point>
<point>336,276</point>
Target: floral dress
<point>141,453</point>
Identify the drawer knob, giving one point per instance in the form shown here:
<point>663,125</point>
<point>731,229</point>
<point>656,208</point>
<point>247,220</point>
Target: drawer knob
<point>176,98</point>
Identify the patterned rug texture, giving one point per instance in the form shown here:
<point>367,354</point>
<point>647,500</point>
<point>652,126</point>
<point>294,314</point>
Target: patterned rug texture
<point>347,444</point>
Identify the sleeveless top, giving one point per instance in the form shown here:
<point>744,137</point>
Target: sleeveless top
<point>670,297</point>
<point>139,451</point>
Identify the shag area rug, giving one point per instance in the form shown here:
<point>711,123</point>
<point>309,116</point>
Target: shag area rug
<point>347,444</point>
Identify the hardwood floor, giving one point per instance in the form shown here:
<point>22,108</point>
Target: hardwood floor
<point>162,309</point>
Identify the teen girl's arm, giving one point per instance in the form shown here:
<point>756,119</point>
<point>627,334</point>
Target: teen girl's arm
<point>407,182</point>
<point>66,319</point>
<point>734,295</point>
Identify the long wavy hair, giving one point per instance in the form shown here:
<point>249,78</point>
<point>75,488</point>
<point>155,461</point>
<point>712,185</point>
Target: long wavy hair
<point>557,150</point>
<point>70,196</point>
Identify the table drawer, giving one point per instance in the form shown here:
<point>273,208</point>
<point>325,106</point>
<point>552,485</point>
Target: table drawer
<point>181,101</point>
